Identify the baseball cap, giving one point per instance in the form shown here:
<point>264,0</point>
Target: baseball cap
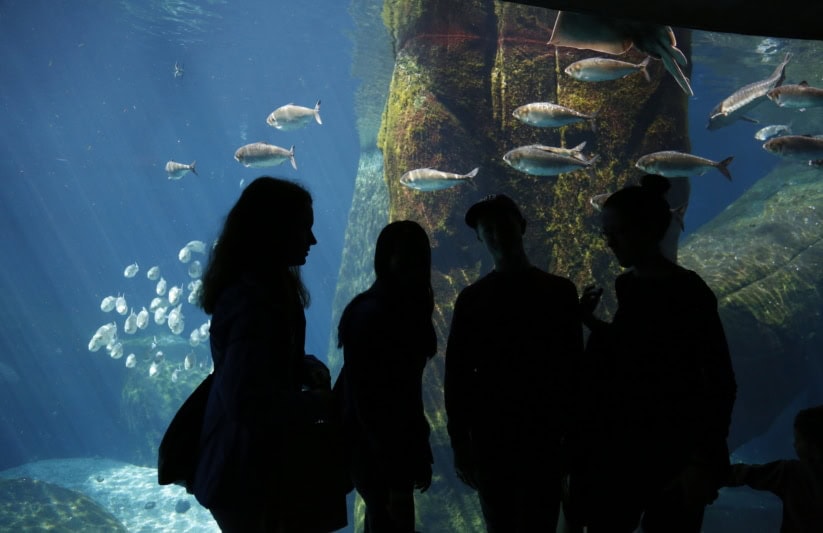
<point>492,204</point>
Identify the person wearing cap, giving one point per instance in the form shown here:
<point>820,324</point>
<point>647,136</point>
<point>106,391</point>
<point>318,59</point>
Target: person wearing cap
<point>515,337</point>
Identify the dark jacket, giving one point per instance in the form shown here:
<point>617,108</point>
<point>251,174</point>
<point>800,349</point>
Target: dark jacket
<point>254,429</point>
<point>513,342</point>
<point>386,346</point>
<point>661,379</point>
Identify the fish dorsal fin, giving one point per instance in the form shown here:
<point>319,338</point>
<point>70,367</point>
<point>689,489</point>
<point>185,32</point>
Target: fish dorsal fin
<point>804,83</point>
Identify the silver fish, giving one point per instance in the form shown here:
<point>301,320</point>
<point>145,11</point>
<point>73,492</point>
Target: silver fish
<point>292,117</point>
<point>261,154</point>
<point>616,37</point>
<point>549,115</point>
<point>178,70</point>
<point>800,147</point>
<point>605,69</point>
<point>576,152</point>
<point>799,96</point>
<point>177,170</point>
<point>673,164</point>
<point>764,134</point>
<point>537,161</point>
<point>746,98</point>
<point>429,179</point>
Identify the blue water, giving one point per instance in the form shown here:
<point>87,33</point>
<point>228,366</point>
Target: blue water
<point>91,111</point>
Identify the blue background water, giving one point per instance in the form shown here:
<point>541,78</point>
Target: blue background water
<point>91,111</point>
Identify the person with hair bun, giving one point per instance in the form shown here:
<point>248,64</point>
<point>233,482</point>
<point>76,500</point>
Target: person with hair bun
<point>658,387</point>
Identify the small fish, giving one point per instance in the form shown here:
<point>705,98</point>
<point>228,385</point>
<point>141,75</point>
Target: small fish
<point>195,288</point>
<point>800,96</point>
<point>160,316</point>
<point>115,350</point>
<point>188,362</point>
<point>549,115</point>
<point>261,154</point>
<point>143,318</point>
<point>605,69</point>
<point>184,255</point>
<point>746,98</point>
<point>154,369</point>
<point>160,288</point>
<point>153,273</point>
<point>196,246</point>
<point>131,270</point>
<point>178,70</point>
<point>195,269</point>
<point>131,361</point>
<point>194,337</point>
<point>429,179</point>
<point>107,304</point>
<point>576,152</point>
<point>130,324</point>
<point>764,134</point>
<point>174,374</point>
<point>155,303</point>
<point>673,164</point>
<point>598,200</point>
<point>174,294</point>
<point>800,147</point>
<point>177,170</point>
<point>537,161</point>
<point>120,305</point>
<point>292,117</point>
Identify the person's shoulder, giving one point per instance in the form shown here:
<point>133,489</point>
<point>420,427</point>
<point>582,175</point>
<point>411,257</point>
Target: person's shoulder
<point>692,284</point>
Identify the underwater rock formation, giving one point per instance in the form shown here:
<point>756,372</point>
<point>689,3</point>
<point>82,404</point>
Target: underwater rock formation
<point>763,257</point>
<point>460,69</point>
<point>32,505</point>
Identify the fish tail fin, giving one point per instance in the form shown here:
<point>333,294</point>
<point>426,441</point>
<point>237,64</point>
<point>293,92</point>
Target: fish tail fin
<point>291,157</point>
<point>473,173</point>
<point>192,168</point>
<point>722,167</point>
<point>644,68</point>
<point>317,112</point>
<point>677,74</point>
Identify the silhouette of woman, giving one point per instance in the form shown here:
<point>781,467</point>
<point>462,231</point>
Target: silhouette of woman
<point>387,338</point>
<point>254,471</point>
<point>661,382</point>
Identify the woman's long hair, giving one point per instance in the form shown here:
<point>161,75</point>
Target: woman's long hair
<point>252,241</point>
<point>402,264</point>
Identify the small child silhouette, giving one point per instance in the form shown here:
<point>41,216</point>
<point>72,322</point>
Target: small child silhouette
<point>798,483</point>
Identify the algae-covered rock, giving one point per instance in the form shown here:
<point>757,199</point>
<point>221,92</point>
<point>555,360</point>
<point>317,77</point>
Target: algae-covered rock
<point>32,505</point>
<point>763,257</point>
<point>460,69</point>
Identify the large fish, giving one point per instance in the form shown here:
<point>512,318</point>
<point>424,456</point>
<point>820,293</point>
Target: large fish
<point>292,117</point>
<point>747,97</point>
<point>537,160</point>
<point>801,147</point>
<point>261,154</point>
<point>673,164</point>
<point>605,69</point>
<point>798,96</point>
<point>617,36</point>
<point>429,179</point>
<point>549,115</point>
<point>177,170</point>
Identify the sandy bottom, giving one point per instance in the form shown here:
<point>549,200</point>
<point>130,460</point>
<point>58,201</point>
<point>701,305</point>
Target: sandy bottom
<point>129,492</point>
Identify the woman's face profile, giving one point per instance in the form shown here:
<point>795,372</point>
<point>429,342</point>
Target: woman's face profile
<point>300,238</point>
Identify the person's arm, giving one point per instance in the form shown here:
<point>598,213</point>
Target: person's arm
<point>769,476</point>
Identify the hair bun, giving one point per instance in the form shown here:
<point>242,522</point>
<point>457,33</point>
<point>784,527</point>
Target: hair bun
<point>655,183</point>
